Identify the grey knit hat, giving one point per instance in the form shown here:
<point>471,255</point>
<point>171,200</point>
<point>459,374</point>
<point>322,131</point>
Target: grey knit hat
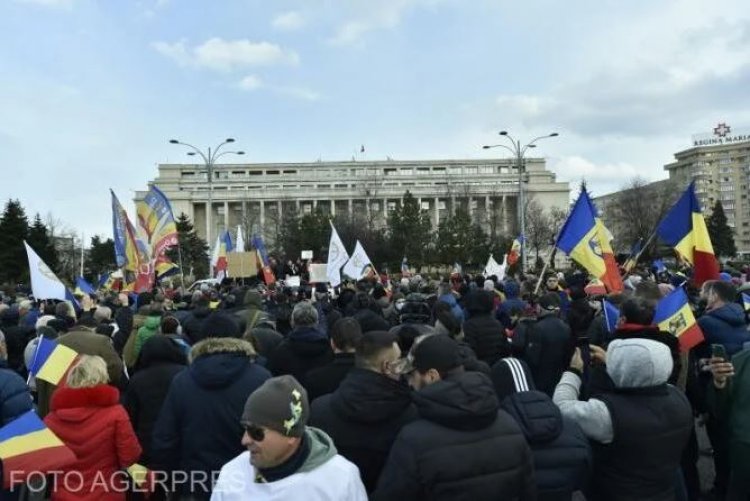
<point>280,404</point>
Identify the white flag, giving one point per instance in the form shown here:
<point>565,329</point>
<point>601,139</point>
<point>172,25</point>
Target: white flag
<point>337,257</point>
<point>239,242</point>
<point>44,282</point>
<point>215,253</point>
<point>493,268</point>
<point>358,263</point>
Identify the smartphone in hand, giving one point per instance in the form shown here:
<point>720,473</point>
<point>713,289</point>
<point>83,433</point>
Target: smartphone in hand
<point>718,351</point>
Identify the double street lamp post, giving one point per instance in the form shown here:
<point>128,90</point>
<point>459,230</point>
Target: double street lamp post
<point>209,162</point>
<point>518,152</point>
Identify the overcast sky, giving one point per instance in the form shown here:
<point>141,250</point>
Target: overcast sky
<point>91,91</point>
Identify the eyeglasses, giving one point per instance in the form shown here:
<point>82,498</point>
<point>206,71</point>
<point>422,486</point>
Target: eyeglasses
<point>257,433</point>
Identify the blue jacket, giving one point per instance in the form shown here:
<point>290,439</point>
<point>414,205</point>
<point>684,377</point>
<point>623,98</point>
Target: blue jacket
<point>15,398</point>
<point>198,428</point>
<point>450,299</point>
<point>726,326</point>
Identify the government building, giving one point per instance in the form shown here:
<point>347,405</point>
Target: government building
<point>257,196</point>
<point>719,163</point>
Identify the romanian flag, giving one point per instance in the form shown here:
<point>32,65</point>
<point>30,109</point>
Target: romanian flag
<point>219,257</point>
<point>515,251</point>
<point>51,361</point>
<point>587,241</point>
<point>746,301</point>
<point>260,251</point>
<point>673,314</point>
<point>684,228</point>
<point>27,446</point>
<point>632,260</point>
<point>611,315</point>
<point>83,287</point>
<point>165,268</point>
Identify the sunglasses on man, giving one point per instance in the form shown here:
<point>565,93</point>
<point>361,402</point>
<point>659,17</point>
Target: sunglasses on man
<point>257,433</point>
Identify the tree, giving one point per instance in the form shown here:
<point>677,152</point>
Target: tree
<point>39,239</point>
<point>458,239</point>
<point>14,228</point>
<point>409,230</point>
<point>193,249</point>
<point>722,236</point>
<point>539,229</point>
<point>101,258</point>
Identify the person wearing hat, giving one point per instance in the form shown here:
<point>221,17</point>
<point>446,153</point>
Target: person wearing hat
<point>546,342</point>
<point>285,459</point>
<point>463,445</point>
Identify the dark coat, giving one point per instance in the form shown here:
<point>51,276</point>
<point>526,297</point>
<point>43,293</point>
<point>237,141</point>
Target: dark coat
<point>160,360</point>
<point>323,380</point>
<point>303,349</point>
<point>548,347</point>
<point>363,417</point>
<point>486,336</point>
<point>562,455</point>
<point>15,398</point>
<point>725,326</point>
<point>193,325</point>
<point>463,447</point>
<point>198,428</point>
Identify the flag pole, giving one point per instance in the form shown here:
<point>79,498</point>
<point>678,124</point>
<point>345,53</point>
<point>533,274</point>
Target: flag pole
<point>643,249</point>
<point>182,269</point>
<point>82,244</point>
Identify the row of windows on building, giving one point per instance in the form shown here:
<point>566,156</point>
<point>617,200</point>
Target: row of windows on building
<point>265,186</point>
<point>376,206</point>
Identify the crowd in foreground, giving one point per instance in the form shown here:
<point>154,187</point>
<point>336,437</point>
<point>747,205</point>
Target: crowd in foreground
<point>467,388</point>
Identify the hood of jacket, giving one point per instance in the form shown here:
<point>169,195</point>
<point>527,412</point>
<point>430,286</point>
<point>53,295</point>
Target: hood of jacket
<point>638,363</point>
<point>78,404</point>
<point>218,362</point>
<point>512,289</point>
<point>307,334</point>
<point>152,323</point>
<point>368,397</point>
<point>464,401</point>
<point>731,313</point>
<point>449,298</point>
<point>161,349</point>
<point>322,449</point>
<point>537,416</point>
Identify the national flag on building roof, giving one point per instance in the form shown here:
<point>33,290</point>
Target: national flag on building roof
<point>684,228</point>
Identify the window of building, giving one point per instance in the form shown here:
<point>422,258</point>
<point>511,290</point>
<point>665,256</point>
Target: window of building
<point>423,170</point>
<point>486,169</point>
<point>392,205</point>
<point>307,208</point>
<point>272,172</point>
<point>324,186</point>
<point>439,169</point>
<point>470,170</point>
<point>256,172</point>
<point>375,206</point>
<point>391,172</point>
<point>503,170</point>
<point>441,204</point>
<point>406,172</point>
<point>290,172</point>
<point>454,170</point>
<point>340,185</point>
<point>189,173</point>
<point>238,173</point>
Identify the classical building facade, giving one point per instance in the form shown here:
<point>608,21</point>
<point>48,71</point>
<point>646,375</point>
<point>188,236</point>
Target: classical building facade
<point>256,196</point>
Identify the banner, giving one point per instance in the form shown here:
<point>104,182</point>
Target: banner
<point>318,273</point>
<point>156,225</point>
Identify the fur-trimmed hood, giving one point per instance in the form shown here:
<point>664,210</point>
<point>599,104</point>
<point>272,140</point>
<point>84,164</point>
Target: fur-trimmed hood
<point>218,362</point>
<point>213,345</point>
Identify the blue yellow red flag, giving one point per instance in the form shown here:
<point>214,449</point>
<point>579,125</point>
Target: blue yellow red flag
<point>156,224</point>
<point>51,360</point>
<point>673,315</point>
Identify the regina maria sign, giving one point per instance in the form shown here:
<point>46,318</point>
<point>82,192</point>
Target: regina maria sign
<point>722,134</point>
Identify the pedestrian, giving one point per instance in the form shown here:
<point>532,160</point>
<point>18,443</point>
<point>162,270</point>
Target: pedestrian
<point>345,336</point>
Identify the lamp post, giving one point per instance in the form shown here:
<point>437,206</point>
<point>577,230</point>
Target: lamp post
<point>209,161</point>
<point>518,152</point>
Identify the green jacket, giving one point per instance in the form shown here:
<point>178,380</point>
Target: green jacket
<point>732,405</point>
<point>149,329</point>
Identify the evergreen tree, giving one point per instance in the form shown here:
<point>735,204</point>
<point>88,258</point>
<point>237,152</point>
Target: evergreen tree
<point>39,240</point>
<point>409,230</point>
<point>722,236</point>
<point>458,239</point>
<point>194,249</point>
<point>14,229</point>
<point>101,258</point>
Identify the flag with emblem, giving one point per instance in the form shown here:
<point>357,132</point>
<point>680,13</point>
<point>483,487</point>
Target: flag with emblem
<point>684,228</point>
<point>156,224</point>
<point>44,282</point>
<point>587,241</point>
<point>359,264</point>
<point>337,257</point>
<point>673,314</point>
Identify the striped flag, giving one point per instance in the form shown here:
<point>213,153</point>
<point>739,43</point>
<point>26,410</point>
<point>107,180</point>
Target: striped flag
<point>673,314</point>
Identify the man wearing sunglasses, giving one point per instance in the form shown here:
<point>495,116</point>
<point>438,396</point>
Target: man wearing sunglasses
<point>285,458</point>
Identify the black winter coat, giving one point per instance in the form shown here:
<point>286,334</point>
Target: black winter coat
<point>124,320</point>
<point>15,398</point>
<point>198,428</point>
<point>363,417</point>
<point>463,447</point>
<point>193,325</point>
<point>562,455</point>
<point>160,360</point>
<point>303,349</point>
<point>324,380</point>
<point>547,350</point>
<point>486,336</point>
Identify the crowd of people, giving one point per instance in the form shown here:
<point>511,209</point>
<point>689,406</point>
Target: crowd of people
<point>460,387</point>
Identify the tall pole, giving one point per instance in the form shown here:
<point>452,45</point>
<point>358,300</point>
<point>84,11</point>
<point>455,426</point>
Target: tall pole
<point>521,206</point>
<point>209,214</point>
<point>82,245</point>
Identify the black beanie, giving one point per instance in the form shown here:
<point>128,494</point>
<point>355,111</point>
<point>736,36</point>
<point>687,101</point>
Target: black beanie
<point>220,324</point>
<point>511,375</point>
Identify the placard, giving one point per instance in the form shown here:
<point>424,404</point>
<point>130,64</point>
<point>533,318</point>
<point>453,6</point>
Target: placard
<point>292,281</point>
<point>318,273</point>
<point>242,264</point>
<point>307,254</point>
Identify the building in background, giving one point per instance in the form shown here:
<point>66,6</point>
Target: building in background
<point>256,196</point>
<point>719,163</point>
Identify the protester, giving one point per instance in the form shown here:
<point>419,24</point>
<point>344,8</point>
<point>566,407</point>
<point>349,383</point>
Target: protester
<point>285,459</point>
<point>462,445</point>
<point>482,332</point>
<point>15,398</point>
<point>199,424</point>
<point>369,408</point>
<point>345,336</point>
<point>639,428</point>
<point>304,348</point>
<point>86,415</point>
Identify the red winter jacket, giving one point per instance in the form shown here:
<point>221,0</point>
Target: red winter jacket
<point>97,429</point>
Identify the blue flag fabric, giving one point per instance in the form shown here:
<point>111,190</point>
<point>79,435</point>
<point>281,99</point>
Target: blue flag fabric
<point>611,315</point>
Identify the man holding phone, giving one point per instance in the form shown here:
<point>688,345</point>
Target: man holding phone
<point>730,398</point>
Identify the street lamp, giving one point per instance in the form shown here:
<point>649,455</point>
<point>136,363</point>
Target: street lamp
<point>209,161</point>
<point>518,152</point>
